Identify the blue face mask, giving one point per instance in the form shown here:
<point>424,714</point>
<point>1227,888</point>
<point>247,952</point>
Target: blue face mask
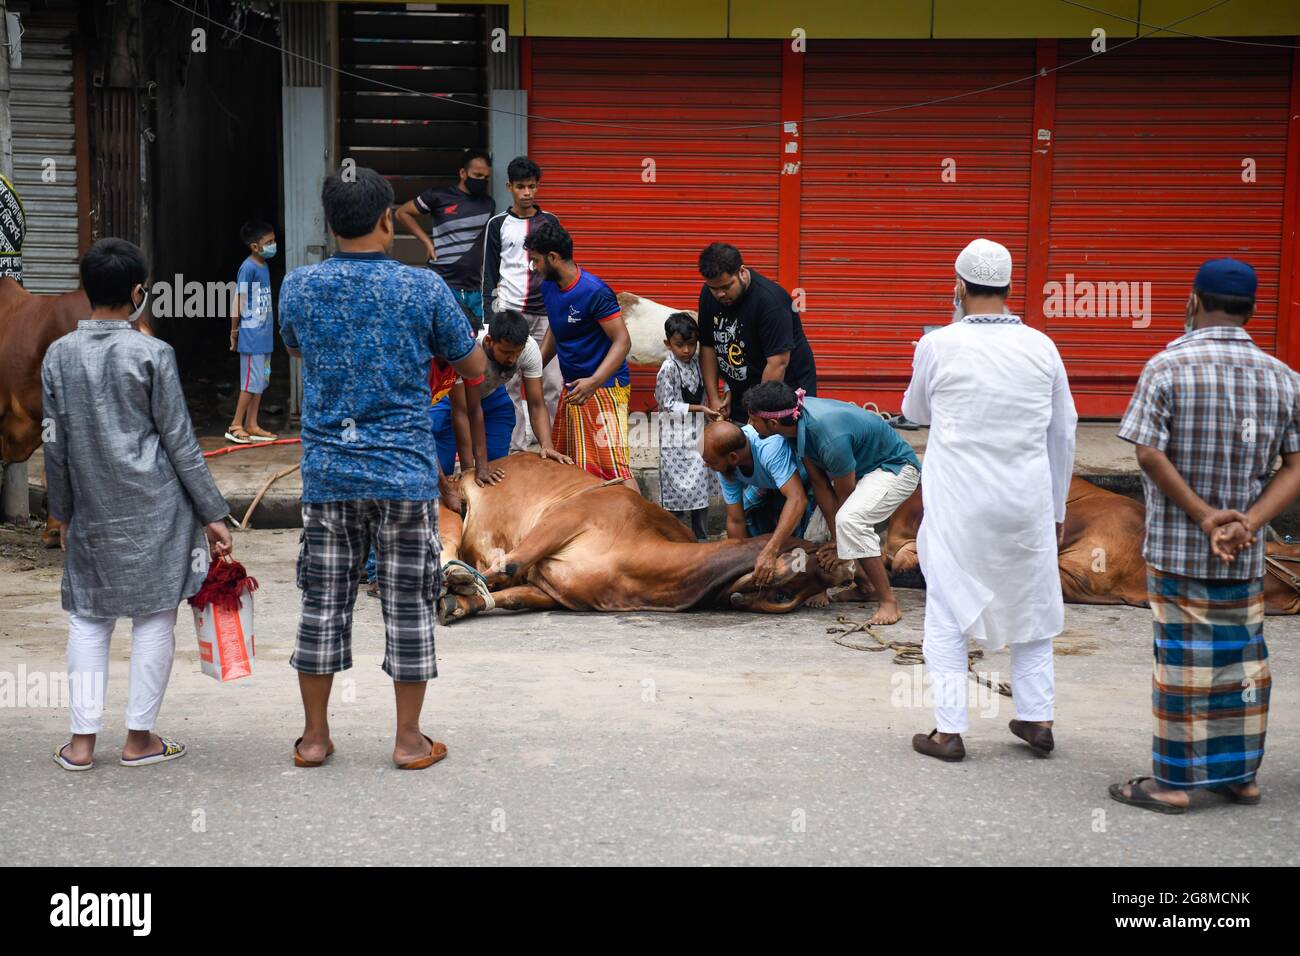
<point>268,251</point>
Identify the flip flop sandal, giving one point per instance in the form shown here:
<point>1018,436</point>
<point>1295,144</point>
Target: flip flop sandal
<point>67,764</point>
<point>436,752</point>
<point>300,761</point>
<point>172,750</point>
<point>1233,797</point>
<point>231,435</point>
<point>268,436</point>
<point>462,578</point>
<point>1140,798</point>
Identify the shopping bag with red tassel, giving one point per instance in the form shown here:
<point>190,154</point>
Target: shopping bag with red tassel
<point>223,620</point>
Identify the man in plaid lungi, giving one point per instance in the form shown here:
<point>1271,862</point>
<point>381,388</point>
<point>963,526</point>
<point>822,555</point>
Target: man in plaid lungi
<point>1210,415</point>
<point>589,336</point>
<point>368,328</point>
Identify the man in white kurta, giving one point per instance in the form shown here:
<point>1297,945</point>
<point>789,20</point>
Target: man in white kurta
<point>998,463</point>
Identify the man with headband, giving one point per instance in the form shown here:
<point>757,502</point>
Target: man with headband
<point>860,471</point>
<point>998,463</point>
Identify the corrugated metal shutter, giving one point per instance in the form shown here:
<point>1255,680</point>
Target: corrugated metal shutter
<point>43,129</point>
<point>645,236</point>
<point>880,226</point>
<point>414,139</point>
<point>1147,184</point>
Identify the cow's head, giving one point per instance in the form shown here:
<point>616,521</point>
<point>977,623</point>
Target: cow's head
<point>798,577</point>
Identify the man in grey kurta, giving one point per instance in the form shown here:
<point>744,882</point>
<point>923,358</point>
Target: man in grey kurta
<point>131,493</point>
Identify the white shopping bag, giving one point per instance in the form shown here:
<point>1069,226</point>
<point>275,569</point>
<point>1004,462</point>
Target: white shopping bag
<point>226,648</point>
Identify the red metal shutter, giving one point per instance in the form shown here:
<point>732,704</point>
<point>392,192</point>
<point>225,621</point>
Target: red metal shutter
<point>644,236</point>
<point>1147,183</point>
<point>880,226</point>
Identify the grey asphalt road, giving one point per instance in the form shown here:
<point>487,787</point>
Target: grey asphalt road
<point>716,738</point>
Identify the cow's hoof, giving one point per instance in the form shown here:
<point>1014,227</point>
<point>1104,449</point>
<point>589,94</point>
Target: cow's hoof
<point>739,600</point>
<point>449,609</point>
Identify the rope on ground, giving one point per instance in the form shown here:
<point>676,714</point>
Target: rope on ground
<point>243,525</point>
<point>906,652</point>
<point>261,444</point>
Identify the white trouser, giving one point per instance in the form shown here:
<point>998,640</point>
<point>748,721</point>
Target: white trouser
<point>875,497</point>
<point>552,382</point>
<point>1033,684</point>
<point>153,646</point>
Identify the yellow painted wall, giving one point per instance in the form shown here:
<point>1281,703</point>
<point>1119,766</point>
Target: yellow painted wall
<point>1033,18</point>
<point>893,19</point>
<point>677,19</point>
<point>1238,18</point>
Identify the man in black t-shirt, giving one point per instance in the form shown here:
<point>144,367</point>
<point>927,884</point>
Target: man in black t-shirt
<point>454,243</point>
<point>749,330</point>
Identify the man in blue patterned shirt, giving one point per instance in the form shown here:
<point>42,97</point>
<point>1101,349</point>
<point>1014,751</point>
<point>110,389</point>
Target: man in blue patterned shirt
<point>368,328</point>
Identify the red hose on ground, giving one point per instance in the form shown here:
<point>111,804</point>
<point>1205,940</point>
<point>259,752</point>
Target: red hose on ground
<point>260,444</point>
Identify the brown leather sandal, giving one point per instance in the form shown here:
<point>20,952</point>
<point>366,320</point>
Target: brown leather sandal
<point>436,752</point>
<point>300,761</point>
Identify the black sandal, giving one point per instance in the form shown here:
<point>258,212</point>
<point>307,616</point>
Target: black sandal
<point>1137,797</point>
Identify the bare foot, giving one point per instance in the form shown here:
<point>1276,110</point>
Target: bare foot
<point>410,746</point>
<point>141,744</point>
<point>1175,798</point>
<point>1249,790</point>
<point>314,747</point>
<point>818,600</point>
<point>887,613</point>
<point>80,749</point>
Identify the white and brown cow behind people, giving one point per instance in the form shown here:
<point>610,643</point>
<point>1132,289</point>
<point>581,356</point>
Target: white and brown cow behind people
<point>645,325</point>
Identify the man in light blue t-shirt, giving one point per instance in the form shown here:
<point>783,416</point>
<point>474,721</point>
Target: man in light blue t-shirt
<point>745,463</point>
<point>251,332</point>
<point>860,470</point>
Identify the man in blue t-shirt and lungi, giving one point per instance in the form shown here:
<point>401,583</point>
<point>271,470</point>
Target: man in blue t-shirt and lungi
<point>589,336</point>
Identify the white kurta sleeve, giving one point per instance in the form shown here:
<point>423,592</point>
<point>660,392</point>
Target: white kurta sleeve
<point>1060,438</point>
<point>668,391</point>
<point>916,400</point>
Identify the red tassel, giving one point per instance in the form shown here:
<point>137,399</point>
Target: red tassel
<point>225,582</point>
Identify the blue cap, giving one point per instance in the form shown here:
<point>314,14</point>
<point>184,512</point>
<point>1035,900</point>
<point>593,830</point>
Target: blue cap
<point>1226,277</point>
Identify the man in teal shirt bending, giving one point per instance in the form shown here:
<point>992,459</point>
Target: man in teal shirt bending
<point>860,471</point>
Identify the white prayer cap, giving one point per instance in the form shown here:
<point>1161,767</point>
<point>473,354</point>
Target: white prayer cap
<point>985,262</point>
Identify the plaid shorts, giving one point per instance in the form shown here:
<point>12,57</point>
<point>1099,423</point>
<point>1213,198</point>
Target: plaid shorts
<point>336,537</point>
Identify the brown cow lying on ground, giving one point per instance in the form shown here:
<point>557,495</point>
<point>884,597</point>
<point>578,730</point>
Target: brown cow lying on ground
<point>553,536</point>
<point>1101,557</point>
<point>568,542</point>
